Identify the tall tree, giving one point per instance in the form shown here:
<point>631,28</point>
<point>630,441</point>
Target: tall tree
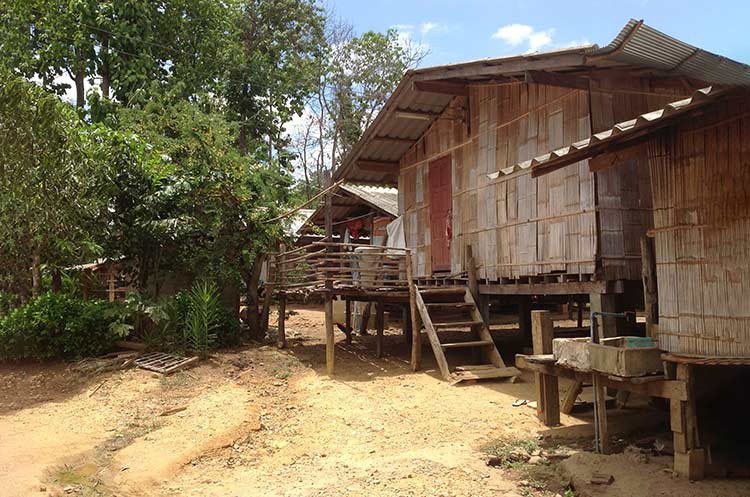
<point>276,46</point>
<point>354,80</point>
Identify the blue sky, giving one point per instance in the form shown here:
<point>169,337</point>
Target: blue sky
<point>470,29</point>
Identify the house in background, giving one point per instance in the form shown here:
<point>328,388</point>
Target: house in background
<point>364,210</point>
<point>450,136</point>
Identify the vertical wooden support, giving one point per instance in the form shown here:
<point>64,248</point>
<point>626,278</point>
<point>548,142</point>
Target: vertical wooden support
<point>604,302</point>
<point>650,292</point>
<point>365,319</point>
<point>348,320</point>
<point>330,337</point>
<point>524,318</point>
<point>601,407</point>
<point>548,395</point>
<point>281,338</point>
<point>416,326</point>
<point>689,457</point>
<point>473,282</point>
<point>406,323</point>
<point>380,320</point>
<point>580,304</point>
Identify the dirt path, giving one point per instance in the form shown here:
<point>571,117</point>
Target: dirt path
<point>266,422</point>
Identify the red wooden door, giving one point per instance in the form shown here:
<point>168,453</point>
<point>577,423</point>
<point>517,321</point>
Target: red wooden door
<point>440,212</point>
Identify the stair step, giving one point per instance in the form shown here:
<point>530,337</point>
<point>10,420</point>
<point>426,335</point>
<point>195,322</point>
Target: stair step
<point>456,323</point>
<point>446,290</point>
<point>457,305</point>
<point>475,367</point>
<point>485,374</point>
<point>474,343</point>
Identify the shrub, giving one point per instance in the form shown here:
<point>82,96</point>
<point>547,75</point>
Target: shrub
<point>58,325</point>
<point>192,321</point>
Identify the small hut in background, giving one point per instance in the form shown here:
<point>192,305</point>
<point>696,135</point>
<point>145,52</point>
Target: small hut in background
<point>362,211</point>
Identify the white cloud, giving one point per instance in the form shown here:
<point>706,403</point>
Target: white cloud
<point>540,39</point>
<point>514,34</point>
<point>518,34</point>
<point>428,26</point>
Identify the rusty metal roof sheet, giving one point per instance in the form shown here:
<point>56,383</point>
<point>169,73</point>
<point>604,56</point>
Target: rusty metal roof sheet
<point>624,131</point>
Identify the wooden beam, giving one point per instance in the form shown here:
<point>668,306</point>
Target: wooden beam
<point>378,166</point>
<point>666,389</point>
<point>394,139</point>
<point>564,288</point>
<point>443,87</point>
<point>556,79</point>
<point>503,67</point>
<point>328,302</point>
<point>419,115</point>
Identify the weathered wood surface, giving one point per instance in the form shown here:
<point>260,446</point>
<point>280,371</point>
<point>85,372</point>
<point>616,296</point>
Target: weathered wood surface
<point>518,225</point>
<point>702,237</point>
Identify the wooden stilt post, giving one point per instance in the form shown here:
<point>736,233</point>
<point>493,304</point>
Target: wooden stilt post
<point>330,337</point>
<point>281,338</point>
<point>524,319</point>
<point>580,305</point>
<point>603,302</point>
<point>689,457</point>
<point>348,320</point>
<point>548,395</point>
<point>416,326</point>
<point>406,323</point>
<point>650,294</point>
<point>380,320</point>
<point>601,407</point>
<point>473,281</point>
<point>365,319</point>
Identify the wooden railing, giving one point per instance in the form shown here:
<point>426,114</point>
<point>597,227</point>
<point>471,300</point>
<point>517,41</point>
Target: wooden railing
<point>330,265</point>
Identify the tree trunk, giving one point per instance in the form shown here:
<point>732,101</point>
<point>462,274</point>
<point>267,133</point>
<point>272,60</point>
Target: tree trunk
<point>242,139</point>
<point>80,74</point>
<point>105,65</point>
<point>251,279</point>
<point>56,280</point>
<point>36,274</point>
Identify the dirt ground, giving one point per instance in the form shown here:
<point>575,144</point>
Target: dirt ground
<point>264,422</point>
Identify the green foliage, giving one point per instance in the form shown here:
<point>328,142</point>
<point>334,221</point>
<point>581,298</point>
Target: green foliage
<point>203,318</point>
<point>57,325</point>
<point>511,452</point>
<point>192,321</point>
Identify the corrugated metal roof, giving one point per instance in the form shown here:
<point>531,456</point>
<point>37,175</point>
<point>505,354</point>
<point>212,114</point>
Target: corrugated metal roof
<point>407,97</point>
<point>385,199</point>
<point>636,45</point>
<point>620,132</point>
<point>350,200</point>
<point>640,44</point>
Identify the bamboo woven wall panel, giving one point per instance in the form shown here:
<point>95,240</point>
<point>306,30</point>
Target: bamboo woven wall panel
<point>700,175</point>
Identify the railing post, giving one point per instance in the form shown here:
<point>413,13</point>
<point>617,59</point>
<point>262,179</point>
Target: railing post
<point>416,327</point>
<point>330,337</point>
<point>280,268</point>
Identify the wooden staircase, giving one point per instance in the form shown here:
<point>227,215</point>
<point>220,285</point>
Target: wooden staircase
<point>452,309</point>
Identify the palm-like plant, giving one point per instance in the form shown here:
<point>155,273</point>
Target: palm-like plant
<point>203,318</point>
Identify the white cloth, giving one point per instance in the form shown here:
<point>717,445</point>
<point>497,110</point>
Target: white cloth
<point>396,237</point>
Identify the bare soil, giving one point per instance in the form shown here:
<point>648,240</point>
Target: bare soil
<point>260,421</point>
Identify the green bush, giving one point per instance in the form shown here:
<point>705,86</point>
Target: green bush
<point>58,325</point>
<point>192,321</point>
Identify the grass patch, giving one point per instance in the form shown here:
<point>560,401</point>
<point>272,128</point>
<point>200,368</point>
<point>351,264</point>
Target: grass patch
<point>512,452</point>
<point>65,475</point>
<point>540,478</point>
